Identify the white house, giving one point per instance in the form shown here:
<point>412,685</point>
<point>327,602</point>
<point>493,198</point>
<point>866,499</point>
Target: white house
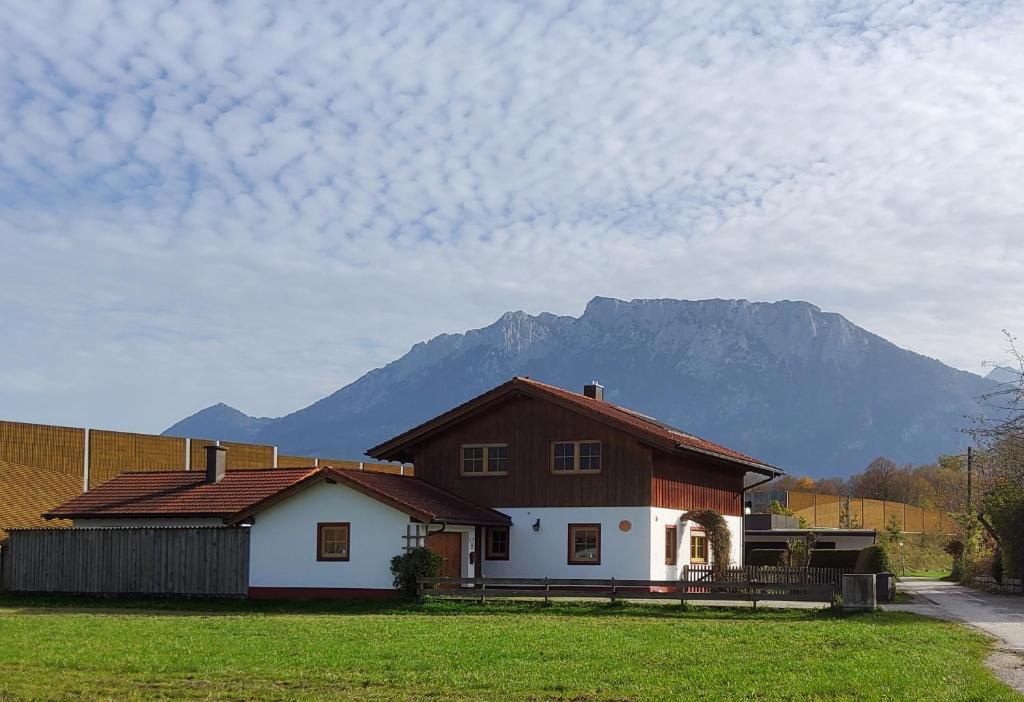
<point>526,480</point>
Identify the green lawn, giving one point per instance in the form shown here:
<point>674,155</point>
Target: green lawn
<point>581,651</point>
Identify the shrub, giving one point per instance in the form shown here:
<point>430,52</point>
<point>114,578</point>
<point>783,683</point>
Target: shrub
<point>893,529</point>
<point>799,551</point>
<point>719,536</point>
<point>873,559</point>
<point>835,558</point>
<point>830,558</point>
<point>410,566</point>
<point>955,548</point>
<point>1004,507</point>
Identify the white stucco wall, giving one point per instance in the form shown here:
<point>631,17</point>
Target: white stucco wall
<point>149,522</point>
<point>283,541</point>
<point>543,553</point>
<point>637,554</point>
<point>660,518</point>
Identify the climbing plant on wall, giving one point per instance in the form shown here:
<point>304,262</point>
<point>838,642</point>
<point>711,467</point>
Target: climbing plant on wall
<point>719,537</point>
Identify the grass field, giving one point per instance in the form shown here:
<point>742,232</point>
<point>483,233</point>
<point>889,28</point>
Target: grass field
<point>50,650</point>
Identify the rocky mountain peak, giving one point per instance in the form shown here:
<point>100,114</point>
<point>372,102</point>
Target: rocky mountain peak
<point>798,387</point>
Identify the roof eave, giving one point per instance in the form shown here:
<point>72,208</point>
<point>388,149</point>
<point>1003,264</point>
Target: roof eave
<point>750,465</point>
<point>392,449</point>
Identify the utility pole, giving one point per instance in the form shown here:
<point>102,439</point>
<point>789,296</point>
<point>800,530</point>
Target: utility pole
<point>969,471</point>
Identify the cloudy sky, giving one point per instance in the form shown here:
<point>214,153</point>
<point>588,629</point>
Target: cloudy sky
<point>258,204</point>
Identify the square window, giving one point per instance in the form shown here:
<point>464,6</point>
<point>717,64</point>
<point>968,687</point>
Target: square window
<point>590,455</point>
<point>584,544</point>
<point>498,459</point>
<point>564,456</point>
<point>497,544</point>
<point>332,541</point>
<point>472,459</point>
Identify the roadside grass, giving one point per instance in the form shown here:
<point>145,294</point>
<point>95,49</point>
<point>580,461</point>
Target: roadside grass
<point>936,573</point>
<point>77,649</point>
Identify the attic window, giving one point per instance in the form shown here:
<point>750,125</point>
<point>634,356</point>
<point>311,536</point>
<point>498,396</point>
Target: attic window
<point>485,459</point>
<point>575,456</point>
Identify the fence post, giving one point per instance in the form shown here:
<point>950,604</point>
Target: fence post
<point>547,589</point>
<point>613,591</point>
<point>483,589</point>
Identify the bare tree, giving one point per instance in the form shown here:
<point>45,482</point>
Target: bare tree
<point>877,481</point>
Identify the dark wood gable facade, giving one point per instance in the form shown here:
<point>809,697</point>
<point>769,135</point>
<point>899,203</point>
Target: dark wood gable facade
<point>634,471</point>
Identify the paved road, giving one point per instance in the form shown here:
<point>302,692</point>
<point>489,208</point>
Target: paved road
<point>1001,616</point>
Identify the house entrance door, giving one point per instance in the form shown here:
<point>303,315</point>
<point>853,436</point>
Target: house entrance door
<point>447,545</point>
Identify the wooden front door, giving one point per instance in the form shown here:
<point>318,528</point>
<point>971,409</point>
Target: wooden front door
<point>448,545</point>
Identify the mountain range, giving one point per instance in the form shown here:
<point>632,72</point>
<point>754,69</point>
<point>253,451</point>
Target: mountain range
<point>803,389</point>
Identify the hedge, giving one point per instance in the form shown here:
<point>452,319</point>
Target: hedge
<point>873,559</point>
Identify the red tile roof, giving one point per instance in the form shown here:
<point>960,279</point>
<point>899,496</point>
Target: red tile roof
<point>421,499</point>
<point>242,493</point>
<point>626,419</point>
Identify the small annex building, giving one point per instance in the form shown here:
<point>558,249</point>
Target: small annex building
<point>313,532</point>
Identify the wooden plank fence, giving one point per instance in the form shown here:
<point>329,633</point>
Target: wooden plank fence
<point>189,561</point>
<point>745,584</point>
<point>768,575</point>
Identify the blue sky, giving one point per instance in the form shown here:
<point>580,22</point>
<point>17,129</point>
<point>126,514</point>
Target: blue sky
<point>258,203</point>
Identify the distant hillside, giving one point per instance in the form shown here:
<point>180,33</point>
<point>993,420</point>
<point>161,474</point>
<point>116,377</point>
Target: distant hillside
<point>1003,374</point>
<point>220,421</point>
<point>800,388</point>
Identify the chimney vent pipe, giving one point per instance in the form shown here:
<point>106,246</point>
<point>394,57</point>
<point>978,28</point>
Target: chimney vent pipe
<point>216,463</point>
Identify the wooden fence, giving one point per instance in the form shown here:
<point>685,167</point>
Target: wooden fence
<point>694,575</point>
<point>189,561</point>
<point>744,584</point>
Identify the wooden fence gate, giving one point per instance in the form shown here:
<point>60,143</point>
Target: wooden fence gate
<point>206,561</point>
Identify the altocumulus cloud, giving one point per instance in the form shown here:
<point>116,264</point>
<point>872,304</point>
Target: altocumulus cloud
<point>255,203</point>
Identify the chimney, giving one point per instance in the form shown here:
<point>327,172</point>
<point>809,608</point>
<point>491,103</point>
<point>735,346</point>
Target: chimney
<point>594,390</point>
<point>216,461</point>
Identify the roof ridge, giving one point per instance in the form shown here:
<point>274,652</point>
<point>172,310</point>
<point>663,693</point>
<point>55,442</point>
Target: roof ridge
<point>201,471</point>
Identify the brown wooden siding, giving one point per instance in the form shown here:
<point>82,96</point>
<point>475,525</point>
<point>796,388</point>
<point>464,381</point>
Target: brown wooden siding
<point>692,482</point>
<point>529,426</point>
